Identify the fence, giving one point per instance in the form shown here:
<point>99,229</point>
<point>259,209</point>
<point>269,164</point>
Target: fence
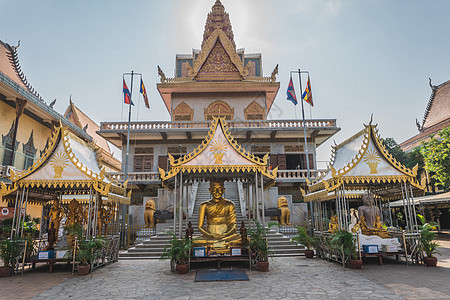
<point>131,235</point>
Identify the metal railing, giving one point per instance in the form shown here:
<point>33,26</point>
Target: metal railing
<point>271,124</point>
<point>131,235</point>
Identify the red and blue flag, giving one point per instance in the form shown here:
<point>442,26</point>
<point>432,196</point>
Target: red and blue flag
<point>291,93</point>
<point>126,94</point>
<point>143,91</point>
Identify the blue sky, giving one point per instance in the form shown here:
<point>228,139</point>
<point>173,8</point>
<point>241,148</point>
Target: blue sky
<point>364,56</point>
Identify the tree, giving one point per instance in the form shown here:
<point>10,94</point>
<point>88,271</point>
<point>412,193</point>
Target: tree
<point>436,153</point>
<point>408,159</point>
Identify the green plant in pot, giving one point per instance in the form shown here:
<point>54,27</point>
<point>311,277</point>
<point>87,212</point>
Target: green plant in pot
<point>178,251</point>
<point>309,242</point>
<point>258,244</point>
<point>428,241</point>
<point>345,241</point>
<point>87,252</point>
<point>9,251</point>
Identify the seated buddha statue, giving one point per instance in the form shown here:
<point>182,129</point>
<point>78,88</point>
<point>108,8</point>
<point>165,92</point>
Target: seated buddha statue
<point>220,214</point>
<point>363,225</point>
<point>378,228</point>
<point>285,217</point>
<point>333,226</point>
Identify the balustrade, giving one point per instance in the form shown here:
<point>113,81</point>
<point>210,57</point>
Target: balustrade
<point>137,126</point>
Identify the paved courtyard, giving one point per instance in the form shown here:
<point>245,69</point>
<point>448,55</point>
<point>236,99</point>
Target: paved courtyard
<point>289,278</point>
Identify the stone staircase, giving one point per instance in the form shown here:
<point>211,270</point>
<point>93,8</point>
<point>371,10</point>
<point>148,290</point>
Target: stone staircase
<point>153,248</point>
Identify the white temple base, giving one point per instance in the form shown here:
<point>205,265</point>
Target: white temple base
<point>376,240</point>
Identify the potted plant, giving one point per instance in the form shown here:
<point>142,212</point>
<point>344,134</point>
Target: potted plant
<point>179,251</point>
<point>309,242</point>
<point>72,231</point>
<point>345,242</point>
<point>9,251</point>
<point>258,244</point>
<point>428,241</point>
<point>86,253</point>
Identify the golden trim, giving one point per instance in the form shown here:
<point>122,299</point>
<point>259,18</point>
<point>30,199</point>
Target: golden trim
<point>209,115</point>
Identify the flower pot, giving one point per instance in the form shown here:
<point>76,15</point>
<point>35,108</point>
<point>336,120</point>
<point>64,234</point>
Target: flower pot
<point>83,270</point>
<point>355,263</point>
<point>309,253</point>
<point>183,269</point>
<point>263,266</point>
<point>430,261</point>
<point>5,271</point>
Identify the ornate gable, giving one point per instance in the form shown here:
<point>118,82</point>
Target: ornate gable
<point>218,66</point>
<point>219,109</point>
<point>183,112</point>
<point>254,111</point>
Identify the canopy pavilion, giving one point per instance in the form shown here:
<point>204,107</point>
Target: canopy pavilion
<point>362,164</point>
<point>69,170</point>
<point>219,156</point>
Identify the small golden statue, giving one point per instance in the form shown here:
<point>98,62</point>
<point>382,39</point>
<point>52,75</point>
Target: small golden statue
<point>220,213</point>
<point>150,208</point>
<point>285,214</point>
<point>378,228</point>
<point>363,225</point>
<point>55,215</point>
<point>334,225</point>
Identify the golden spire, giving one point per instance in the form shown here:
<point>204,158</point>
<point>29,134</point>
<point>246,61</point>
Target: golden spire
<point>218,18</point>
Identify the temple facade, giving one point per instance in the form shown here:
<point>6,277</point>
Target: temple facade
<point>218,80</point>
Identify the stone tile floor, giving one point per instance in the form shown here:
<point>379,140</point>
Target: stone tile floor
<point>289,278</point>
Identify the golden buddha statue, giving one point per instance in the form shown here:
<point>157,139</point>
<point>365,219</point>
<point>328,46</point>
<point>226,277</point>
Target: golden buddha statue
<point>378,228</point>
<point>363,225</point>
<point>220,213</point>
<point>150,208</point>
<point>55,215</point>
<point>333,226</point>
<point>74,213</point>
<point>285,214</point>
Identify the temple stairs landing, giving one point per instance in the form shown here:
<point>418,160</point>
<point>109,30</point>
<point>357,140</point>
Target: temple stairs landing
<point>153,248</point>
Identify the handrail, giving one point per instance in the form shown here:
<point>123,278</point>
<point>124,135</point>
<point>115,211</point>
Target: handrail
<point>159,125</point>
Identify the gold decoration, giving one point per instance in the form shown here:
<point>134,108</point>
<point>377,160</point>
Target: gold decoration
<point>218,149</point>
<point>219,108</point>
<point>254,111</point>
<point>371,158</point>
<point>285,217</point>
<point>183,112</point>
<point>59,162</point>
<point>150,208</point>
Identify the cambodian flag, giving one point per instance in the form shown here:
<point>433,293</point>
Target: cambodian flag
<point>291,93</point>
<point>126,94</point>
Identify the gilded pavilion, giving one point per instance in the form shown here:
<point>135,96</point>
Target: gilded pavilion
<point>218,80</point>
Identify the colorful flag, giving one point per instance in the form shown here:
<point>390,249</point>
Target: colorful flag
<point>126,94</point>
<point>307,95</point>
<point>144,94</point>
<point>291,93</point>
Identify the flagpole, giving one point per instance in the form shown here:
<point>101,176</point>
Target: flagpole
<point>128,132</point>
<point>304,125</point>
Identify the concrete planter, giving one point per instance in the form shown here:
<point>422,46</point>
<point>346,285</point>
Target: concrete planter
<point>83,270</point>
<point>430,261</point>
<point>183,269</point>
<point>263,266</point>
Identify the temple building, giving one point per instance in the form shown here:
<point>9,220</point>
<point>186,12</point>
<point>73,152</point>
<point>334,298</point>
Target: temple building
<point>27,121</point>
<point>218,80</point>
<point>436,116</point>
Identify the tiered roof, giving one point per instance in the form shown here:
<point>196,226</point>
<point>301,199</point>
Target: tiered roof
<point>218,66</point>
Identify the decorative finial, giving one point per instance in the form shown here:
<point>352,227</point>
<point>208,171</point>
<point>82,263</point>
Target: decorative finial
<point>433,87</point>
<point>15,47</point>
<point>162,75</point>
<point>371,119</point>
<point>418,125</point>
<point>273,77</point>
<point>70,99</point>
<point>52,103</point>
<point>85,127</point>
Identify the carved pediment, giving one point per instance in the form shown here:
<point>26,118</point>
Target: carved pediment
<point>254,111</point>
<point>219,108</point>
<point>183,112</point>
